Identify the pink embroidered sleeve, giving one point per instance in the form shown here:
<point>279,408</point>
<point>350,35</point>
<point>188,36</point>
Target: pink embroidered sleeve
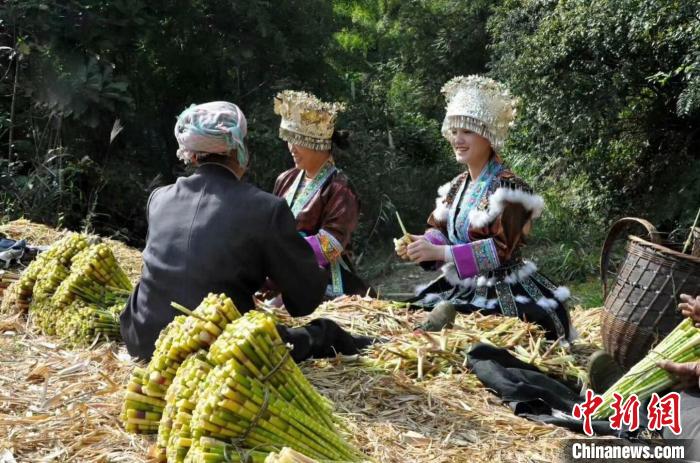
<point>475,257</point>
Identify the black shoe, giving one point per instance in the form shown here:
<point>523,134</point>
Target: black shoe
<point>442,316</point>
<point>603,371</point>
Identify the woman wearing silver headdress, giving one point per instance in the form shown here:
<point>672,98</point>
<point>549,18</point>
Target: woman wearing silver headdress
<point>324,204</point>
<point>480,221</point>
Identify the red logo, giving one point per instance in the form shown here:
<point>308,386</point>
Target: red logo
<point>665,412</point>
<point>627,413</point>
<point>662,412</point>
<point>586,409</point>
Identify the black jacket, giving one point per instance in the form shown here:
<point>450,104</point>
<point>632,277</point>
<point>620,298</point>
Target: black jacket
<point>209,232</point>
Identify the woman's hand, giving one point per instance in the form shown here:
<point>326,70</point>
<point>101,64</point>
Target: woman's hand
<point>688,374</point>
<point>422,250</point>
<point>690,307</point>
<point>401,245</point>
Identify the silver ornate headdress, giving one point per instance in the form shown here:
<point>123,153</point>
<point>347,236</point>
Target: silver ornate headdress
<point>479,104</point>
<point>306,120</point>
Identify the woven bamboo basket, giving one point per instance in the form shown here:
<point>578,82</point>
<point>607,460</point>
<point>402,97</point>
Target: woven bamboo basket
<point>641,304</point>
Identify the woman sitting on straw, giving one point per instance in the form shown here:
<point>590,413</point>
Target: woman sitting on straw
<point>212,233</point>
<point>324,204</point>
<point>480,222</point>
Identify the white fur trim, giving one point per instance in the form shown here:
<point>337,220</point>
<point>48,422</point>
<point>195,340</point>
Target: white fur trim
<point>522,299</point>
<point>449,271</point>
<point>431,297</point>
<point>526,270</point>
<point>547,303</point>
<point>420,288</point>
<point>442,212</point>
<point>444,189</point>
<point>491,303</point>
<point>530,201</point>
<point>562,293</point>
<point>479,302</point>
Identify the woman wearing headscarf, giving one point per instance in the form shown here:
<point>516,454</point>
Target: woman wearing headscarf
<point>212,233</point>
<point>324,204</point>
<point>480,222</point>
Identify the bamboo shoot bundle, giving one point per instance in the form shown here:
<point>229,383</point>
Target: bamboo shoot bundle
<point>258,397</point>
<point>59,257</point>
<point>174,435</point>
<point>643,379</point>
<point>254,341</point>
<point>49,279</point>
<point>194,332</point>
<point>81,322</point>
<point>140,413</point>
<point>98,263</point>
<point>182,337</point>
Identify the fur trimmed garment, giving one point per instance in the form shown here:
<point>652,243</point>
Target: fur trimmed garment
<point>484,223</point>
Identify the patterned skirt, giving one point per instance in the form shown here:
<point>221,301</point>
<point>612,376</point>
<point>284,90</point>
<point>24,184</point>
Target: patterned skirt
<point>513,290</point>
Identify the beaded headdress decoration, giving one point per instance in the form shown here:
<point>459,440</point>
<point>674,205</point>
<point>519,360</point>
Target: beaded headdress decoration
<point>479,104</point>
<point>306,120</point>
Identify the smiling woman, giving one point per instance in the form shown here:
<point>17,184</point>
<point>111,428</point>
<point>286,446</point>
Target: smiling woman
<point>323,201</point>
<point>480,221</point>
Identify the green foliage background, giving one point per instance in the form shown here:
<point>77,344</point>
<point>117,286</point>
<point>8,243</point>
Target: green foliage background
<point>608,122</point>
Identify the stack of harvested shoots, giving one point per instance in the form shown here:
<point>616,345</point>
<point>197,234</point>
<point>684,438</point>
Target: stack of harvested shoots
<point>174,433</point>
<point>21,293</point>
<point>184,336</point>
<point>75,290</point>
<point>643,379</point>
<point>221,387</point>
<point>257,398</point>
<point>140,413</point>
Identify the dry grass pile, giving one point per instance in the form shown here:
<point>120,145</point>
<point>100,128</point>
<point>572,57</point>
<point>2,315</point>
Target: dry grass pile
<point>64,405</point>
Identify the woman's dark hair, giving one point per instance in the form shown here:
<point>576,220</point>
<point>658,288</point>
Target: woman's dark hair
<point>212,157</point>
<point>340,139</point>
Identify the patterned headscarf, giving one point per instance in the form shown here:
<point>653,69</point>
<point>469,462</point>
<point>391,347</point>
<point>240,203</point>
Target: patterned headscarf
<point>217,127</point>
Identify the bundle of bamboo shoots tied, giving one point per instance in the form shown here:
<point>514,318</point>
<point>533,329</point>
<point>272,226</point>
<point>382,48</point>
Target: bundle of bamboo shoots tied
<point>50,264</point>
<point>682,345</point>
<point>257,398</point>
<point>219,388</point>
<point>185,335</point>
<point>75,290</point>
<point>80,291</point>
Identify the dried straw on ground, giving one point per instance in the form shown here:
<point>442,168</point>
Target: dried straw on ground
<point>61,405</point>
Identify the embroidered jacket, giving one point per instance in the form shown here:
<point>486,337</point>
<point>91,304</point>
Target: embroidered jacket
<point>326,214</point>
<point>484,221</point>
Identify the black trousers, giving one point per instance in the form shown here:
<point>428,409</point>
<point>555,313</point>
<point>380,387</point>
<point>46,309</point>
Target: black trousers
<point>322,338</point>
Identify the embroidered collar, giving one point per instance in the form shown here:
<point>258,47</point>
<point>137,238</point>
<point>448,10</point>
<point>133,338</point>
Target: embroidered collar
<point>468,198</point>
<point>299,196</point>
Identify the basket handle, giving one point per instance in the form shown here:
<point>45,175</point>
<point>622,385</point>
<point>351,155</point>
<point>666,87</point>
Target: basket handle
<point>615,231</point>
